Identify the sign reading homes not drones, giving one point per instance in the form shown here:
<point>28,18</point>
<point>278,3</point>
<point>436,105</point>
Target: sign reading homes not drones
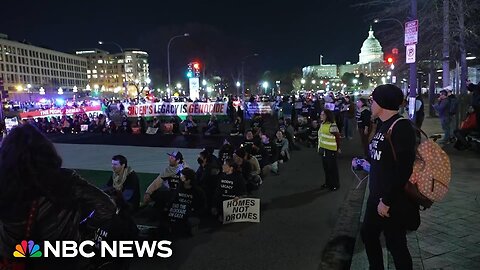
<point>241,210</point>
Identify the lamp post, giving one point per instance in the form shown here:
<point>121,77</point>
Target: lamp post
<point>389,19</point>
<point>243,73</point>
<point>125,81</point>
<point>168,53</point>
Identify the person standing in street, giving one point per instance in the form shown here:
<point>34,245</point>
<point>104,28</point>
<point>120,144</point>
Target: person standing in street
<point>443,110</point>
<point>387,205</point>
<point>328,147</point>
<point>364,123</point>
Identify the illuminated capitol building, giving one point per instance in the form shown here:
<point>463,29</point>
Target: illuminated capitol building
<point>371,63</point>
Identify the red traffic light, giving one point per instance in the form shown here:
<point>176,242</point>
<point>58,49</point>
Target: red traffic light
<point>390,60</point>
<point>196,65</point>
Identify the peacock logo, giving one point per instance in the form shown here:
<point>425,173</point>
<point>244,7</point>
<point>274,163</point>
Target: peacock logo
<point>27,249</point>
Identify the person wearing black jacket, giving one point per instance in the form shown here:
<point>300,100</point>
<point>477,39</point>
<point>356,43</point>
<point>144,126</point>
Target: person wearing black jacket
<point>124,180</point>
<point>226,151</point>
<point>40,201</point>
<point>187,205</point>
<point>208,174</point>
<point>231,186</point>
<point>364,123</point>
<point>388,209</point>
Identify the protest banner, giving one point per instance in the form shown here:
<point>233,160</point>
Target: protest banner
<point>176,109</point>
<point>258,107</point>
<point>241,210</point>
<point>91,111</point>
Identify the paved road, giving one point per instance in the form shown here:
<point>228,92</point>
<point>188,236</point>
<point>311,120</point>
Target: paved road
<point>297,217</point>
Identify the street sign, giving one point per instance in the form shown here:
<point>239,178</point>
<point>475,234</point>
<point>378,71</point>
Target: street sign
<point>410,53</point>
<point>411,32</point>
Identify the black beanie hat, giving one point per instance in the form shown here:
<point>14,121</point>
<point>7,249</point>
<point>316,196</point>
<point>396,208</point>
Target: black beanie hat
<point>388,96</point>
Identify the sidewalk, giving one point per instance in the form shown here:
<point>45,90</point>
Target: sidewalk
<point>449,236</point>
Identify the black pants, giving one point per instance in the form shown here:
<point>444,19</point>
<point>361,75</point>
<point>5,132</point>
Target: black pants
<point>330,167</point>
<point>395,237</point>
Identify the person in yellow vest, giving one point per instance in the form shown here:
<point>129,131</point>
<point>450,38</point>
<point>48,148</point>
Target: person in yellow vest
<point>328,147</point>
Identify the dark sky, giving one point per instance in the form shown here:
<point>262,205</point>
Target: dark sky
<point>286,34</point>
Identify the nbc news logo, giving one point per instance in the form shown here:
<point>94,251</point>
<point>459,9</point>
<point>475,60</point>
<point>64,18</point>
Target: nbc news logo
<point>27,249</point>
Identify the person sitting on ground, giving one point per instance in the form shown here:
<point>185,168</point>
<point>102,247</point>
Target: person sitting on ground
<point>187,205</point>
<point>36,191</point>
<point>207,174</point>
<point>189,126</point>
<point>238,127</point>
<point>257,122</point>
<point>124,180</point>
<point>270,161</point>
<point>468,126</point>
<point>212,126</point>
<point>250,169</point>
<point>160,190</point>
<point>226,151</point>
<point>282,147</point>
<point>231,186</point>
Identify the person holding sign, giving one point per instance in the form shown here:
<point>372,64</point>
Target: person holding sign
<point>231,186</point>
<point>186,205</point>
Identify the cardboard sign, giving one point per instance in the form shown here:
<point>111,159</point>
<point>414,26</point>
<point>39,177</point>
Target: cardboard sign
<point>10,123</point>
<point>241,210</point>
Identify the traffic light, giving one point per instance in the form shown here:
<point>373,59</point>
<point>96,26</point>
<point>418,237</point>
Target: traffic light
<point>196,68</point>
<point>390,60</point>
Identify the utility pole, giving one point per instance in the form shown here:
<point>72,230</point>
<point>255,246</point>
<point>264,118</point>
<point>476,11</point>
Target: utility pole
<point>413,71</point>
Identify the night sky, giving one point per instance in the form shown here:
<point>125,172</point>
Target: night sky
<point>286,34</point>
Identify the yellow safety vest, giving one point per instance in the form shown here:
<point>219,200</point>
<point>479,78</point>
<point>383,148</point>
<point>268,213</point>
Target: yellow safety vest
<point>326,139</point>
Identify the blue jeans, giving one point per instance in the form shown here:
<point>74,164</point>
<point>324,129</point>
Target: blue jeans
<point>445,122</point>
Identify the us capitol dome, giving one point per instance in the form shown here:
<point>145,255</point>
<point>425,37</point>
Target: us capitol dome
<point>371,51</point>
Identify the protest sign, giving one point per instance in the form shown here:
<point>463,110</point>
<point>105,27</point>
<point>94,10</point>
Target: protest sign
<point>241,210</point>
<point>176,109</point>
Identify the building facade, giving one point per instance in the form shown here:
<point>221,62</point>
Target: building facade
<point>371,63</point>
<point>112,72</point>
<point>32,69</point>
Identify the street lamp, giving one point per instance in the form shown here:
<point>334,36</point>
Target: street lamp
<point>389,19</point>
<point>243,73</point>
<point>168,52</point>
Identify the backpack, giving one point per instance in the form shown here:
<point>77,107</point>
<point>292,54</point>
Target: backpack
<point>453,106</point>
<point>431,173</point>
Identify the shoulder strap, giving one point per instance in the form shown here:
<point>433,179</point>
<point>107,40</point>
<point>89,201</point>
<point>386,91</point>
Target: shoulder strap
<point>389,135</point>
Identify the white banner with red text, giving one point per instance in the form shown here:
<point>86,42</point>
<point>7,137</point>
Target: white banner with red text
<point>91,111</point>
<point>176,109</point>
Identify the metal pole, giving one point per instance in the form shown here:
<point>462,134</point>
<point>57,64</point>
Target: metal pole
<point>243,81</point>
<point>168,60</point>
<point>168,54</point>
<point>413,71</point>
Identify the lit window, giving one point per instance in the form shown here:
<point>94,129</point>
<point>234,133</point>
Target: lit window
<point>88,71</point>
<point>94,71</point>
<point>88,76</point>
<point>94,76</point>
<point>100,61</point>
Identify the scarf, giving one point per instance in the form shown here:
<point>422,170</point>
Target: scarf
<point>119,179</point>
